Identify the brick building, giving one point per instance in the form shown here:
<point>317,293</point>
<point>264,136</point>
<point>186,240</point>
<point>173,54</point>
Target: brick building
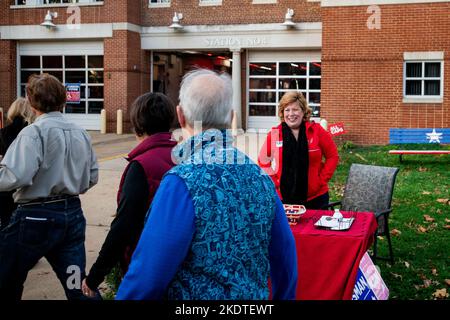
<point>371,64</point>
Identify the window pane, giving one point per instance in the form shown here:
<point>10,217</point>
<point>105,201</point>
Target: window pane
<point>75,62</point>
<point>75,77</point>
<point>22,91</point>
<point>432,88</point>
<point>95,62</point>
<point>314,97</point>
<point>83,92</point>
<point>315,111</point>
<point>95,106</point>
<point>263,84</point>
<point>262,96</point>
<point>28,62</point>
<point>293,68</point>
<point>314,84</point>
<point>76,108</point>
<point>315,68</point>
<point>433,69</point>
<point>413,70</point>
<point>52,62</point>
<point>263,69</point>
<point>95,92</point>
<point>95,76</point>
<point>297,84</point>
<point>57,74</point>
<point>413,87</point>
<point>24,75</point>
<point>262,110</point>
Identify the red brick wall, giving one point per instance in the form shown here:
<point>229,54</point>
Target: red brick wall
<point>8,77</point>
<point>110,11</point>
<point>232,12</point>
<point>362,69</point>
<point>126,75</point>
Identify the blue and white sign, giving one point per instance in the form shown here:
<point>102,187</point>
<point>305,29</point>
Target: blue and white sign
<point>369,285</point>
<point>422,135</point>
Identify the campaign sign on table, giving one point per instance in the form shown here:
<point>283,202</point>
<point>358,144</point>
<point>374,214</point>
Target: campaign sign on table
<point>73,92</point>
<point>369,285</point>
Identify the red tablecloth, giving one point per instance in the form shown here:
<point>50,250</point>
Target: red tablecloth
<point>328,260</point>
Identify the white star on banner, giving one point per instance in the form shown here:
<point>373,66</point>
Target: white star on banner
<point>434,136</point>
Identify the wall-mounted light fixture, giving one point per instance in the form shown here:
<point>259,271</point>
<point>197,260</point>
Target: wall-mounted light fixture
<point>176,21</point>
<point>288,19</point>
<point>48,20</point>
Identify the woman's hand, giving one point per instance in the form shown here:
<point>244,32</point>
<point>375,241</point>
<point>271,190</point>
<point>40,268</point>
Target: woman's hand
<point>86,290</point>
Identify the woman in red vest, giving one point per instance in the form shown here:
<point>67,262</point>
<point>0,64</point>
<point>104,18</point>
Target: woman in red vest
<point>152,116</point>
<point>293,155</point>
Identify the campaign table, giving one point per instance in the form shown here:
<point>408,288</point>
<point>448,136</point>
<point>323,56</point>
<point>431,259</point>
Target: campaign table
<point>327,260</point>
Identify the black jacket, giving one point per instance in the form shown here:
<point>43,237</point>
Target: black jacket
<point>10,132</point>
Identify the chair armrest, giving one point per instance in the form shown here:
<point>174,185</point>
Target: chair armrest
<point>382,213</point>
<point>333,204</point>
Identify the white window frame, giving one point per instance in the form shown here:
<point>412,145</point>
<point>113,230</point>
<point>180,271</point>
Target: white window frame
<point>279,90</point>
<point>86,70</point>
<point>159,4</point>
<point>45,3</point>
<point>422,98</point>
<point>206,3</point>
<point>264,1</point>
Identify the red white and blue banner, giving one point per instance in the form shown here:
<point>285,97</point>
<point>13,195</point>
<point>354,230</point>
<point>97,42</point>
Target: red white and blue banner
<point>369,285</point>
<point>422,135</point>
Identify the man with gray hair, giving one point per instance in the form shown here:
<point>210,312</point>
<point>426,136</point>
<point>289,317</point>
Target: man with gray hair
<point>216,229</point>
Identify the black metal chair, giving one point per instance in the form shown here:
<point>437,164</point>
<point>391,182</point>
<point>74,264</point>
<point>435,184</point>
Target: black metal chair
<point>370,188</point>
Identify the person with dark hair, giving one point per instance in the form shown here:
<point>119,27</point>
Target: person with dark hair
<point>18,117</point>
<point>152,116</point>
<point>299,155</point>
<point>50,163</point>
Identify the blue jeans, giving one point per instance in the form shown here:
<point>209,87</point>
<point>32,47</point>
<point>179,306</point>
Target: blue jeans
<point>54,230</point>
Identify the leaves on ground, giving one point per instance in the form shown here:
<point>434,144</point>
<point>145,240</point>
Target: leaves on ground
<point>426,192</point>
<point>421,229</point>
<point>434,272</point>
<point>397,276</point>
<point>447,227</point>
<point>444,201</point>
<point>447,220</point>
<point>422,169</point>
<point>407,264</point>
<point>447,281</point>
<point>395,232</point>
<point>428,218</point>
<point>440,294</point>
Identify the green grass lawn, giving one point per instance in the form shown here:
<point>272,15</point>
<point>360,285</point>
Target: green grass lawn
<point>421,244</point>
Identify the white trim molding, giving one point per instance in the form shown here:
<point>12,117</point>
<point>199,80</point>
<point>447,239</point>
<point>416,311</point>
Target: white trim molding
<point>426,55</point>
<point>56,5</point>
<point>62,31</point>
<point>347,3</point>
<point>262,36</point>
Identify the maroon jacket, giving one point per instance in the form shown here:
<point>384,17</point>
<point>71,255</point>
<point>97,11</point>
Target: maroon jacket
<point>154,155</point>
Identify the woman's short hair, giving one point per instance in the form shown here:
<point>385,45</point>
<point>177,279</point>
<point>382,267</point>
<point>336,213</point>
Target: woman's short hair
<point>290,97</point>
<point>206,96</point>
<point>151,113</point>
<point>46,93</point>
<point>20,108</point>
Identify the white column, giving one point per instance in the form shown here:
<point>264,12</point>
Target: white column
<point>236,80</point>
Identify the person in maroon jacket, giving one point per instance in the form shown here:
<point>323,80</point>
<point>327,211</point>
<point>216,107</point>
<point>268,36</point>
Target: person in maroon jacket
<point>152,116</point>
<point>293,154</point>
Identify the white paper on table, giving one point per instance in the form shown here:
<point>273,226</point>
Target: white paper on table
<point>333,223</point>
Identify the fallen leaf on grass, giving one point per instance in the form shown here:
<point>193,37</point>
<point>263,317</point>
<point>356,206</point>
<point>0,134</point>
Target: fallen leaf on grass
<point>428,218</point>
<point>361,157</point>
<point>447,227</point>
<point>434,272</point>
<point>447,220</point>
<point>444,201</point>
<point>440,294</point>
<point>380,238</point>
<point>397,276</point>
<point>426,283</point>
<point>426,192</point>
<point>422,169</point>
<point>447,281</point>
<point>395,232</point>
<point>421,229</point>
<point>439,211</point>
<point>407,264</point>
